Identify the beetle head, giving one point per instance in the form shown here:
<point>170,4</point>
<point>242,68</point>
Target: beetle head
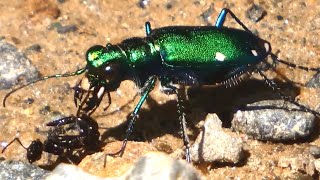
<point>105,66</point>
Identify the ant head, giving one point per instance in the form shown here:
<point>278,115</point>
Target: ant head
<point>34,151</point>
<point>105,66</point>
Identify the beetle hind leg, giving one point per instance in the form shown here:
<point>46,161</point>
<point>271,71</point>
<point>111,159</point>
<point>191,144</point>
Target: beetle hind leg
<point>222,17</point>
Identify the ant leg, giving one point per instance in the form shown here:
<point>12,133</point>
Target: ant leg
<point>62,121</point>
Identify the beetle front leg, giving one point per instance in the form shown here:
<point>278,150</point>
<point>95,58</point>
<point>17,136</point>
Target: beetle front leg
<point>78,93</point>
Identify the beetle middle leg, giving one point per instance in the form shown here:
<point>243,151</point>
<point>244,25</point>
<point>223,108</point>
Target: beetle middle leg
<point>169,88</point>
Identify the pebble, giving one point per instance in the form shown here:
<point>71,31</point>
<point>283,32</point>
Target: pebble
<point>144,3</point>
<point>272,120</point>
<point>63,29</point>
<point>206,15</point>
<point>315,151</point>
<point>160,166</point>
<point>14,67</point>
<point>216,144</point>
<point>34,48</point>
<point>317,164</point>
<point>114,166</point>
<point>255,13</point>
<point>314,82</point>
<point>12,170</point>
<point>153,165</point>
<point>301,163</point>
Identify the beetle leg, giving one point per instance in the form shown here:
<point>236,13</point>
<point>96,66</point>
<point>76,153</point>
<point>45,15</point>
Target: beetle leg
<point>94,101</point>
<point>183,122</point>
<point>148,87</point>
<point>222,17</point>
<point>169,88</point>
<point>148,28</point>
<point>78,93</point>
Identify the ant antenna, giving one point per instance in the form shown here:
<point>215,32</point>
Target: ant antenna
<point>15,139</point>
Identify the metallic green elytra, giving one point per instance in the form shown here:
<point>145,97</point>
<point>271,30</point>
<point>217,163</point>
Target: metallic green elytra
<point>174,55</point>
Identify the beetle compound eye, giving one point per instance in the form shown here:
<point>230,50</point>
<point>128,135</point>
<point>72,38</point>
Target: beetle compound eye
<point>112,72</point>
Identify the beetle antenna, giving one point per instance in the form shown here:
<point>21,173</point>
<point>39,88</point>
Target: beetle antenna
<point>276,89</point>
<point>78,72</point>
<point>275,58</point>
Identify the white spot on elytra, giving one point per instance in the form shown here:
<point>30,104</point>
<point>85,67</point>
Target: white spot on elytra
<point>254,52</point>
<point>267,47</point>
<point>220,56</point>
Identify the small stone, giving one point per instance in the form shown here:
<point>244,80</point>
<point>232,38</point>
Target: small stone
<point>68,171</point>
<point>301,163</point>
<point>144,3</point>
<point>114,165</point>
<point>315,151</point>
<point>45,110</point>
<point>29,101</point>
<point>255,13</point>
<point>153,165</point>
<point>280,18</point>
<point>14,67</point>
<point>35,48</point>
<point>206,15</point>
<point>216,144</point>
<point>160,166</point>
<point>20,170</point>
<point>314,82</point>
<point>63,29</point>
<point>317,164</point>
<point>271,120</point>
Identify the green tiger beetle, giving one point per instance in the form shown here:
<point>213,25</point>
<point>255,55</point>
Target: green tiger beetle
<point>176,55</point>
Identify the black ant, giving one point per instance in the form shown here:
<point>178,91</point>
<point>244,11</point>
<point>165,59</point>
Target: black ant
<point>60,143</point>
<point>60,140</point>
